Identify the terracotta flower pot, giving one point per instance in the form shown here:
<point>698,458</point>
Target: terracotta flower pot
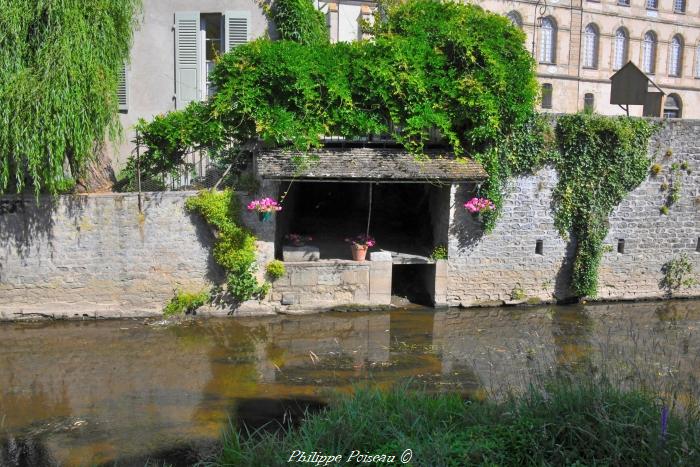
<point>358,252</point>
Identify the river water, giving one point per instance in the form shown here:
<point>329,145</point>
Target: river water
<point>134,391</point>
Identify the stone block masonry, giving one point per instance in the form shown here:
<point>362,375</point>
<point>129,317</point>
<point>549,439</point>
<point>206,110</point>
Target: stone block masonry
<point>96,255</point>
<point>488,269</point>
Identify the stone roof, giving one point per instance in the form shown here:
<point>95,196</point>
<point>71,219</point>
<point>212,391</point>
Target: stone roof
<point>368,164</point>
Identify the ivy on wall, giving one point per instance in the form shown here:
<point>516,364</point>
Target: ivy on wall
<point>600,160</point>
<point>59,69</point>
<point>234,249</point>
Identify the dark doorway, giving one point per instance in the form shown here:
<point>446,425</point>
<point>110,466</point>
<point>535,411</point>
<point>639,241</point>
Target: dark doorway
<point>414,282</point>
<point>406,217</point>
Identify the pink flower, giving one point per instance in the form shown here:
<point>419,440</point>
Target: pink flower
<point>478,205</point>
<point>264,205</point>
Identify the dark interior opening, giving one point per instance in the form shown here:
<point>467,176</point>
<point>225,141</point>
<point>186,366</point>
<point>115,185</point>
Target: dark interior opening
<point>406,217</point>
<point>414,282</point>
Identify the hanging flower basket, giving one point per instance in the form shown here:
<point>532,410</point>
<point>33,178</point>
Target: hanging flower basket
<point>478,206</point>
<point>265,207</point>
<point>359,246</point>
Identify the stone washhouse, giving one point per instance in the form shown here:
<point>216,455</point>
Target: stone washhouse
<point>327,197</point>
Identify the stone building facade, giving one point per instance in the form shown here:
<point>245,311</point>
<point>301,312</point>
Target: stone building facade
<point>579,44</point>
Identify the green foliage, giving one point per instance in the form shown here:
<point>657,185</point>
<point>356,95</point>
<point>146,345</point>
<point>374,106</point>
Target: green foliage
<point>184,302</point>
<point>517,293</point>
<point>601,160</point>
<point>664,210</point>
<point>439,252</point>
<point>655,169</point>
<point>678,272</point>
<point>299,21</point>
<point>431,65</point>
<point>234,249</point>
<point>275,269</point>
<point>59,68</point>
<point>586,423</point>
<point>524,150</point>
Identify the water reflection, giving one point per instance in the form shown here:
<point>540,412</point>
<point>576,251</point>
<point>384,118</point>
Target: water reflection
<point>85,393</point>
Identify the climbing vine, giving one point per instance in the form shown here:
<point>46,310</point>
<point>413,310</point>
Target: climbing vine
<point>59,69</point>
<point>234,249</point>
<point>431,65</point>
<point>601,159</point>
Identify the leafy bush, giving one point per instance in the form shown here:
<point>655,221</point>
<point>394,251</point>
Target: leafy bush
<point>275,269</point>
<point>234,249</point>
<point>588,423</point>
<point>439,252</point>
<point>431,64</point>
<point>678,272</point>
<point>184,302</point>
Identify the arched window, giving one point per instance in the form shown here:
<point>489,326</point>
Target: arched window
<point>590,46</point>
<point>548,41</point>
<point>679,6</point>
<point>588,102</point>
<point>622,41</point>
<point>675,62</point>
<point>547,96</point>
<point>652,4</point>
<point>516,19</point>
<point>673,107</point>
<point>649,53</point>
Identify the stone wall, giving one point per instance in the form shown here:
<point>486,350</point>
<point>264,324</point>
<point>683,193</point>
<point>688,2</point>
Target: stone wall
<point>96,255</point>
<point>490,268</point>
<point>334,282</point>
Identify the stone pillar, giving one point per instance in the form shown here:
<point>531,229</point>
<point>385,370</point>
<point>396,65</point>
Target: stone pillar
<point>380,278</point>
<point>439,292</point>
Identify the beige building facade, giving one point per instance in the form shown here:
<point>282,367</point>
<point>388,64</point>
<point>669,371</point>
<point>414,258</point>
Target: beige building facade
<point>579,44</point>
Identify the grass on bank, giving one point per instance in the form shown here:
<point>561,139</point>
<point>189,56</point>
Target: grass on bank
<point>563,423</point>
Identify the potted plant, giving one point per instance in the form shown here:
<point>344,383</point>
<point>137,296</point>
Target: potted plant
<point>359,245</point>
<point>265,207</point>
<point>478,206</point>
<point>297,239</point>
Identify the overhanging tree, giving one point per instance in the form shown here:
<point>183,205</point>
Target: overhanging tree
<point>59,68</point>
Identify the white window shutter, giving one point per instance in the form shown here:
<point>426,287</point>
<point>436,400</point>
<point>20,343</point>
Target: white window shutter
<point>236,28</point>
<point>187,58</point>
<point>123,89</point>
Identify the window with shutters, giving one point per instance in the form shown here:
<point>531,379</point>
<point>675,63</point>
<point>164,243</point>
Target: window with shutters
<point>123,89</point>
<point>548,41</point>
<point>199,39</point>
<point>590,46</point>
<point>679,6</point>
<point>675,62</point>
<point>649,53</point>
<point>621,48</point>
<point>547,96</point>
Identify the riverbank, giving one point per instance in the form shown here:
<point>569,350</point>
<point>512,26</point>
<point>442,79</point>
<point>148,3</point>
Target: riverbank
<point>585,421</point>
